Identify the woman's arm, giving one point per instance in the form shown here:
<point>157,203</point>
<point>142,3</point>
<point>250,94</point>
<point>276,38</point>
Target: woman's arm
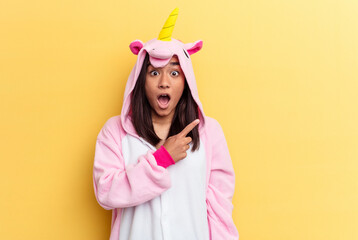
<point>221,188</point>
<point>116,186</point>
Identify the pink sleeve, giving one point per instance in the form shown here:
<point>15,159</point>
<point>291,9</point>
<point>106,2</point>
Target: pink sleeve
<point>120,186</point>
<point>221,188</point>
<point>163,158</point>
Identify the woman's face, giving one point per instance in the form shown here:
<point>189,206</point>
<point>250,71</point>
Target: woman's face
<point>168,80</point>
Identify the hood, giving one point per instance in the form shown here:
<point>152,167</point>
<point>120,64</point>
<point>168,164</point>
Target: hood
<point>160,52</point>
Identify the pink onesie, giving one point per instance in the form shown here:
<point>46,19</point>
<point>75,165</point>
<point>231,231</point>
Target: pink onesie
<point>151,196</point>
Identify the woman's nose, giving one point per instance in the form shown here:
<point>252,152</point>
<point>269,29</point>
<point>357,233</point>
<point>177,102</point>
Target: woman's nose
<point>164,81</point>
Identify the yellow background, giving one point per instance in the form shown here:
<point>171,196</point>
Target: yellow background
<point>279,76</point>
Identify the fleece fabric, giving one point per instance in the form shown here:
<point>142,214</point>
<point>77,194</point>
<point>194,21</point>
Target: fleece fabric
<point>150,196</point>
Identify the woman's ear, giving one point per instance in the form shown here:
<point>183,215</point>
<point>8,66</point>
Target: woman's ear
<point>192,48</point>
<point>136,46</point>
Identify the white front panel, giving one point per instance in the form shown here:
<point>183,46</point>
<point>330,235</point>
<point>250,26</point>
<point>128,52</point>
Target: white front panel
<point>178,213</point>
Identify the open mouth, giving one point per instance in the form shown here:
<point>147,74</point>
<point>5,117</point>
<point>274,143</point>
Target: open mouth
<point>163,100</point>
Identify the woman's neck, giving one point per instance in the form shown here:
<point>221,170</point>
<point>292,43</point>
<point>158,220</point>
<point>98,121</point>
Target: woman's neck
<point>162,125</point>
<point>162,121</point>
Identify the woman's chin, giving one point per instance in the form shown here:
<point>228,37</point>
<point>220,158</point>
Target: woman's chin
<point>163,112</point>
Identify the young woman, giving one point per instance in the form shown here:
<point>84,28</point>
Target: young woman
<point>162,166</point>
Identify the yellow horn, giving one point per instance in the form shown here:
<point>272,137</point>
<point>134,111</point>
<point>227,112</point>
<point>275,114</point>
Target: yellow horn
<point>167,30</point>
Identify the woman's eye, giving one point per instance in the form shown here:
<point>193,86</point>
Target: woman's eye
<point>152,73</point>
<point>177,73</point>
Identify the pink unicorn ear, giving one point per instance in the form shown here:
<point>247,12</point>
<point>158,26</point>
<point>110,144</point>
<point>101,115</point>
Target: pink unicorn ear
<point>136,46</point>
<point>192,48</point>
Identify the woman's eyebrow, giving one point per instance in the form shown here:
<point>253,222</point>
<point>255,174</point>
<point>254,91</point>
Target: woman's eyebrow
<point>171,63</point>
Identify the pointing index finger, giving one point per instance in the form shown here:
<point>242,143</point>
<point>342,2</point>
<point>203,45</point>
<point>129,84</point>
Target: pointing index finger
<point>189,127</point>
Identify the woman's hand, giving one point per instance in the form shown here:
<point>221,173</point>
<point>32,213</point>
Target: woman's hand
<point>178,144</point>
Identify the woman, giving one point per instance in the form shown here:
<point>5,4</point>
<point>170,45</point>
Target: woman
<point>162,166</point>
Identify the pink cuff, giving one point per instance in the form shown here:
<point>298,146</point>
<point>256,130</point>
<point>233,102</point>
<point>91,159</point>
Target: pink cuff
<point>163,157</point>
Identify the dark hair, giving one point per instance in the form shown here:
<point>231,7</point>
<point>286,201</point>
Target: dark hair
<point>186,111</point>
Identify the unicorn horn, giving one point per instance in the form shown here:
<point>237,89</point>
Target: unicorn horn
<point>166,32</point>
